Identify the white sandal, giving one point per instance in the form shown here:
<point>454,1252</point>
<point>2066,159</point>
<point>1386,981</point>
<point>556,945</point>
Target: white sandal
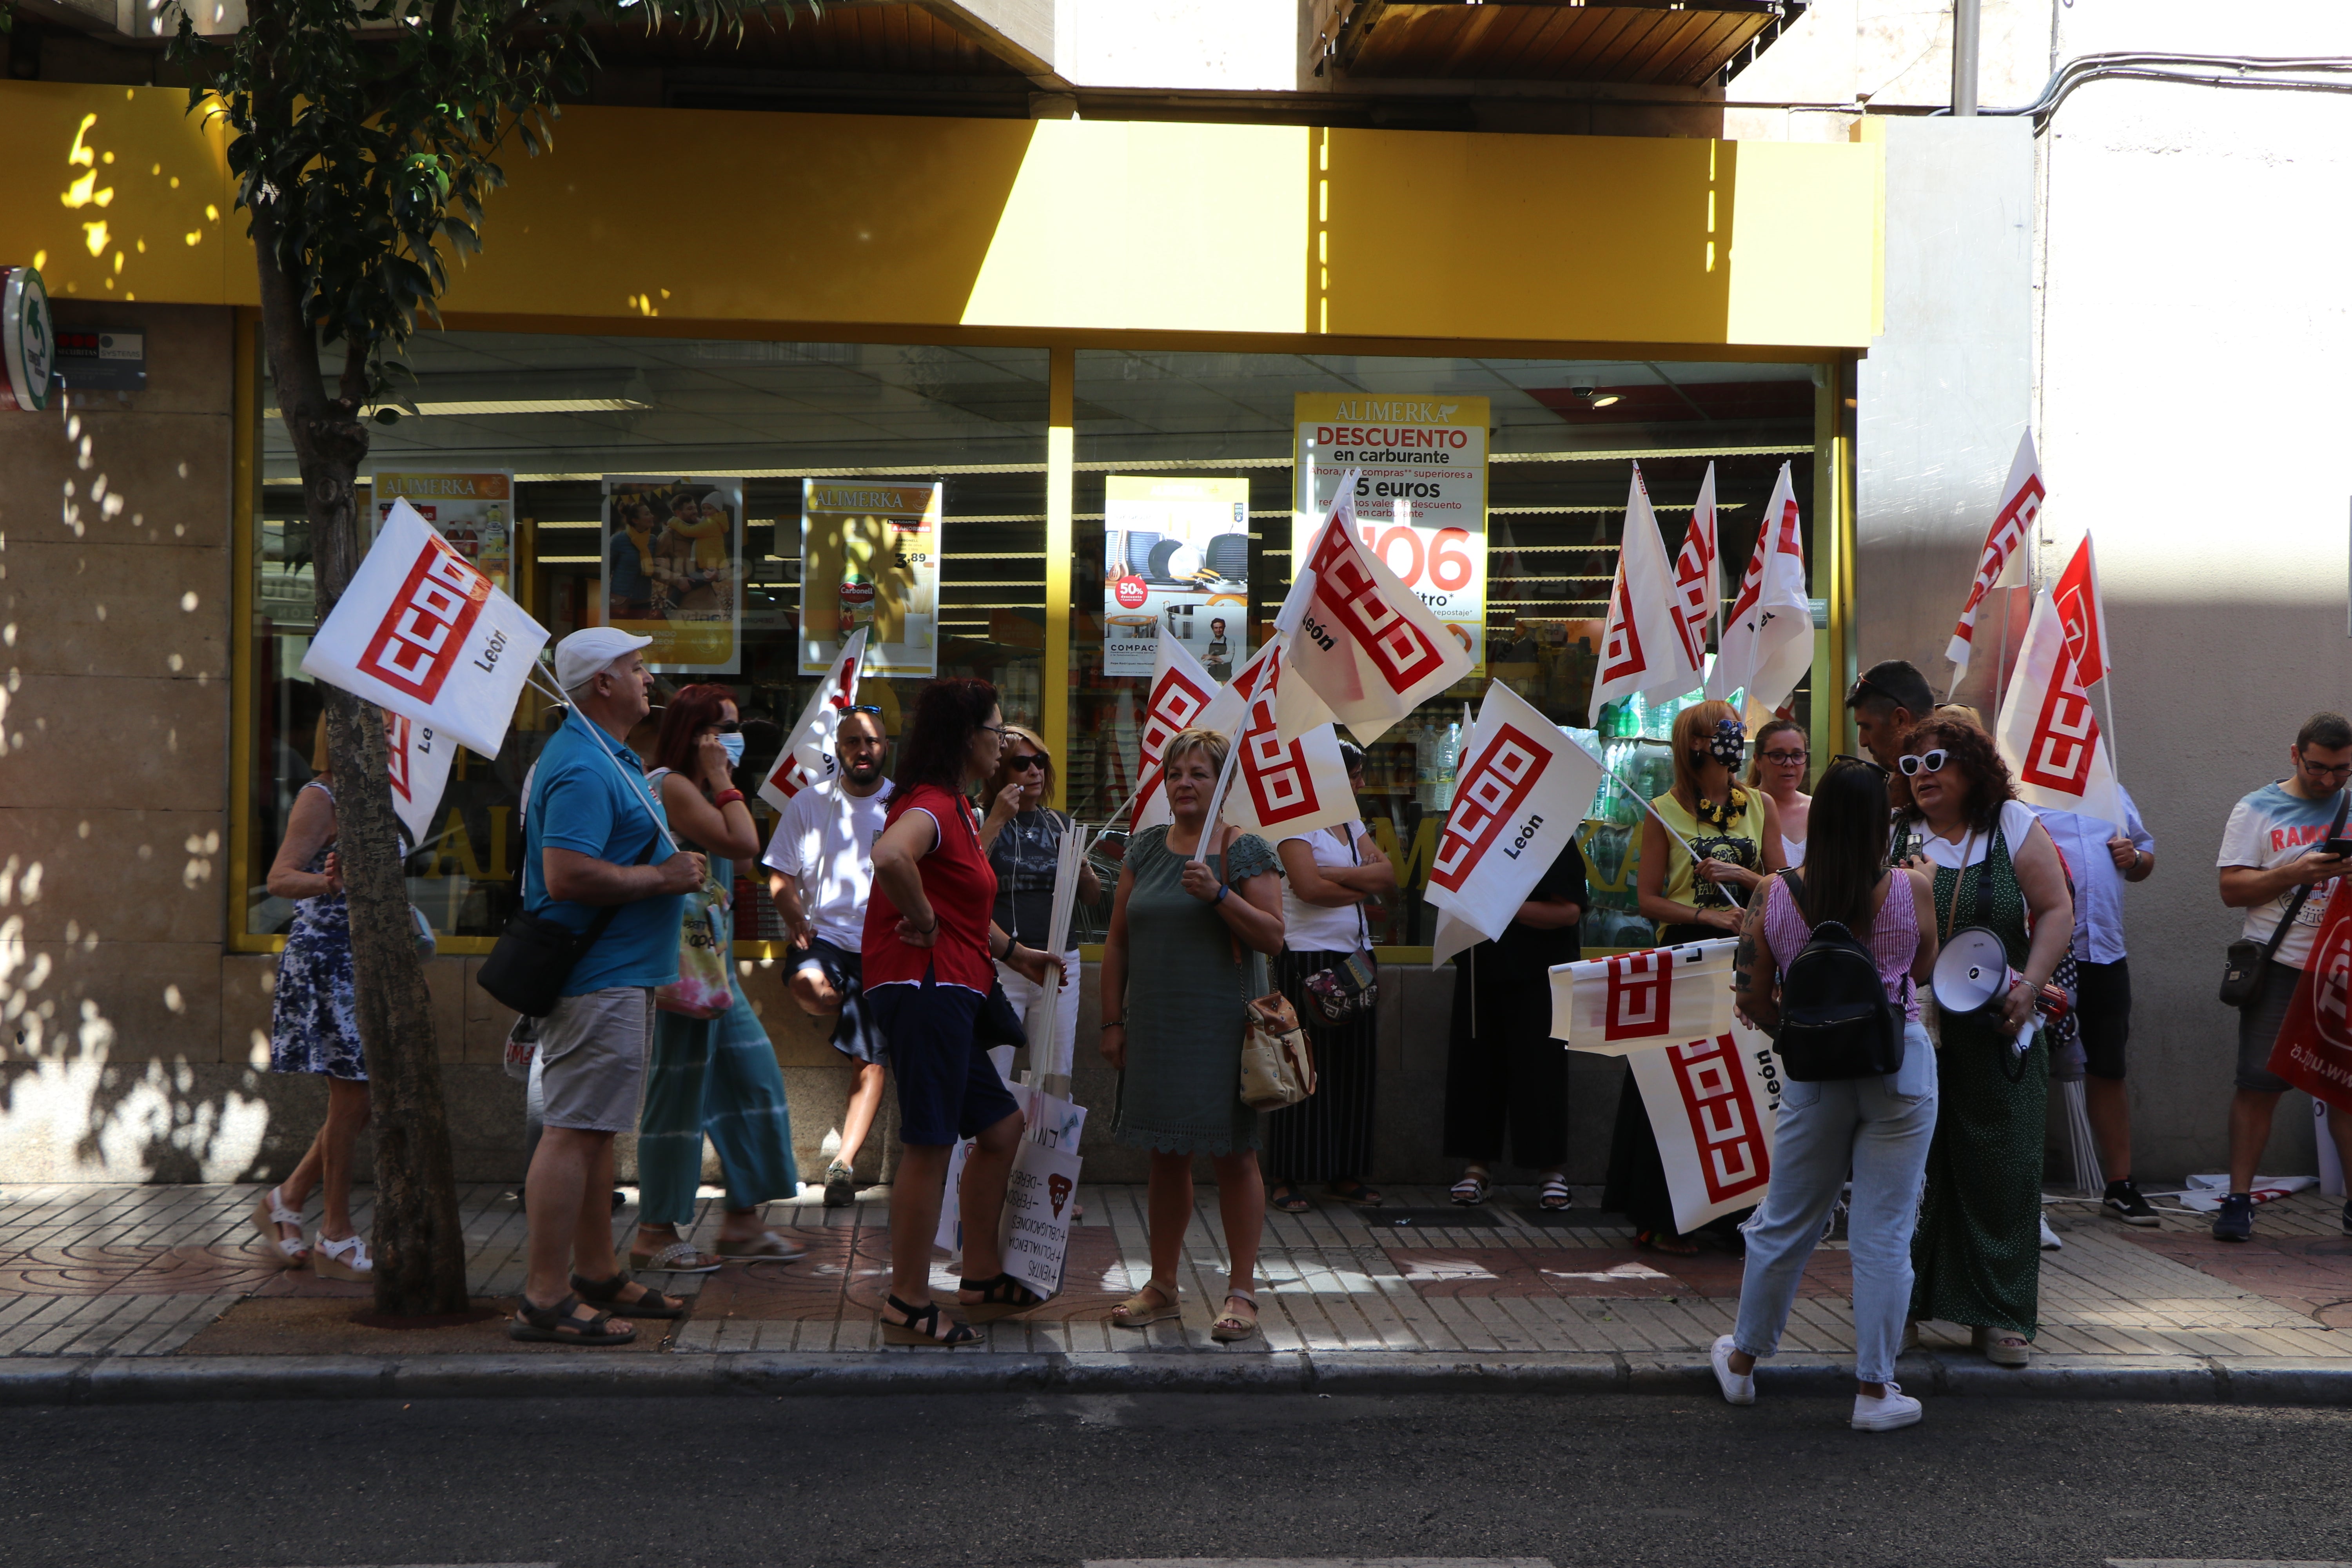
<point>344,1260</point>
<point>270,1212</point>
<point>1240,1327</point>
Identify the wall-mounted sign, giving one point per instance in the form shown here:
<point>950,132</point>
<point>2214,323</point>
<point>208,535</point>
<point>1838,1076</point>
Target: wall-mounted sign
<point>1175,559</point>
<point>95,358</point>
<point>673,569</point>
<point>870,557</point>
<point>1421,499</point>
<point>474,512</point>
<point>27,353</point>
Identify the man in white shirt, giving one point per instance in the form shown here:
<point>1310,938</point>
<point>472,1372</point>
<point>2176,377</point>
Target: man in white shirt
<point>820,868</point>
<point>2101,861</point>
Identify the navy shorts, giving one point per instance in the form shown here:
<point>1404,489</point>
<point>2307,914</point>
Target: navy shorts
<point>2103,1004</point>
<point>853,1031</point>
<point>947,1088</point>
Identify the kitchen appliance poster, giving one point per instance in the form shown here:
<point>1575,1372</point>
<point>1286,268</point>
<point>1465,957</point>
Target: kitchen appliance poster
<point>1175,557</point>
<point>673,569</point>
<point>870,557</point>
<point>474,512</point>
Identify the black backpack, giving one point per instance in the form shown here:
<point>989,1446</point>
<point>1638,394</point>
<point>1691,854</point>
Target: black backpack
<point>1835,1020</point>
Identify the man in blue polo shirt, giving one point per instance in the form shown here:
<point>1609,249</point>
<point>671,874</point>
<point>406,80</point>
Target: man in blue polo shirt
<point>595,845</point>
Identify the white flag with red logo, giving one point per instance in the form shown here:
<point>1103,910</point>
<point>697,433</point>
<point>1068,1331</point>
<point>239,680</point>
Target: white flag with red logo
<point>1278,786</point>
<point>1767,641</point>
<point>1657,996</point>
<point>1641,649</point>
<point>1521,795</point>
<point>2049,736</point>
<point>1697,594</point>
<point>1364,649</point>
<point>1714,1104</point>
<point>2085,616</point>
<point>807,756</point>
<point>2021,503</point>
<point>420,771</point>
<point>1181,693</point>
<point>422,633</point>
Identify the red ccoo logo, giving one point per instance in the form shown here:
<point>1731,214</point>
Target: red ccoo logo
<point>417,643</point>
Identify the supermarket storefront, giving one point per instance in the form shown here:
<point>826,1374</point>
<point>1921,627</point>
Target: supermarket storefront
<point>1099,370</point>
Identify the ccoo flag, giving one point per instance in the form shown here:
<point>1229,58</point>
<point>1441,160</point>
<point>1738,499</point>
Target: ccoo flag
<point>420,771</point>
<point>2085,616</point>
<point>1768,643</point>
<point>1280,786</point>
<point>1696,596</point>
<point>1656,997</point>
<point>1715,1104</point>
<point>1181,693</point>
<point>1642,651</point>
<point>1524,792</point>
<point>2021,503</point>
<point>807,757</point>
<point>423,633</point>
<point>2048,734</point>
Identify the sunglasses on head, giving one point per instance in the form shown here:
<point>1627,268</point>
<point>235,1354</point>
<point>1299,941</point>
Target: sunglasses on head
<point>1924,762</point>
<point>1848,760</point>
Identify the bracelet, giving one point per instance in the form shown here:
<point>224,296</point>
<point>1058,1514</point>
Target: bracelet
<point>931,928</point>
<point>1114,1023</point>
<point>727,797</point>
<point>1222,892</point>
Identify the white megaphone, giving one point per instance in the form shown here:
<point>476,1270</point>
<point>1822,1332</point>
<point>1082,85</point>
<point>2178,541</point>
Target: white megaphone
<point>1972,976</point>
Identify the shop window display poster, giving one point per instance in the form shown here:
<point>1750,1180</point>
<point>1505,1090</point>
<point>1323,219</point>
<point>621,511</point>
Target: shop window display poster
<point>673,569</point>
<point>1175,561</point>
<point>1420,498</point>
<point>474,512</point>
<point>870,557</point>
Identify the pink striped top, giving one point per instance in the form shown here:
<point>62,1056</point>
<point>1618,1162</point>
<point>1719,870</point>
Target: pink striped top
<point>1894,939</point>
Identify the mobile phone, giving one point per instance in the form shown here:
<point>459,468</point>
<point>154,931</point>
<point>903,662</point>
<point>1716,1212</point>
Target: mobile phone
<point>2336,846</point>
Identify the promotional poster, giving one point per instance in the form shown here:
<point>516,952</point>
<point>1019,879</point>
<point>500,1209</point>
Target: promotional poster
<point>1175,563</point>
<point>673,569</point>
<point>870,559</point>
<point>474,512</point>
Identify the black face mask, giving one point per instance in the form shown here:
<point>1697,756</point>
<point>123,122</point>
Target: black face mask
<point>1727,744</point>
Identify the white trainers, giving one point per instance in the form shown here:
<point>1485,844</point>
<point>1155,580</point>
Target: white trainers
<point>1898,1409</point>
<point>2050,1242</point>
<point>1736,1390</point>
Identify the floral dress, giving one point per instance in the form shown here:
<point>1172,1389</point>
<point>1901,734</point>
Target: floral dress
<point>313,1019</point>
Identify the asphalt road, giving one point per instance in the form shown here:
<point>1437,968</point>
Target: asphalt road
<point>1020,1481</point>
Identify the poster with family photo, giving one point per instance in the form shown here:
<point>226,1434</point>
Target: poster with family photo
<point>1175,561</point>
<point>673,569</point>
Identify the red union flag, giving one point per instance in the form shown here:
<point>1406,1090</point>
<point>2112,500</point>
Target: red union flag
<point>2048,733</point>
<point>807,756</point>
<point>1642,651</point>
<point>1365,650</point>
<point>1658,996</point>
<point>2083,616</point>
<point>2314,1051</point>
<point>1767,641</point>
<point>1524,790</point>
<point>1714,1104</point>
<point>2021,503</point>
<point>1697,594</point>
<point>1641,1003</point>
<point>420,771</point>
<point>423,633</point>
<point>1286,785</point>
<point>1180,692</point>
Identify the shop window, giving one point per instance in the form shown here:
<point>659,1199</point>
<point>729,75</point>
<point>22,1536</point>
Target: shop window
<point>729,446</point>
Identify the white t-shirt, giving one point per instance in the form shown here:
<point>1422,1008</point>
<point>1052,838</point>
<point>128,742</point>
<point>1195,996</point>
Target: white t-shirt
<point>2270,826</point>
<point>824,842</point>
<point>2017,819</point>
<point>1314,928</point>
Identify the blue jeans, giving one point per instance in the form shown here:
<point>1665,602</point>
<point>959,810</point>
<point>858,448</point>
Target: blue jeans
<point>1877,1128</point>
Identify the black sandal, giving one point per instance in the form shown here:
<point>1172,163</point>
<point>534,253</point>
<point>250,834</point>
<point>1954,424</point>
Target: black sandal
<point>922,1327</point>
<point>998,1298</point>
<point>607,1293</point>
<point>1358,1195</point>
<point>1287,1199</point>
<point>556,1325</point>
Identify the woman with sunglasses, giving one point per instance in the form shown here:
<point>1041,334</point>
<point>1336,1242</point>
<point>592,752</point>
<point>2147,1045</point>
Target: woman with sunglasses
<point>1977,1254</point>
<point>1695,885</point>
<point>1782,759</point>
<point>711,1077</point>
<point>1024,840</point>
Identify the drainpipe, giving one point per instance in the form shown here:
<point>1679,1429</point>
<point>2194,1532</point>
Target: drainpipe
<point>1964,56</point>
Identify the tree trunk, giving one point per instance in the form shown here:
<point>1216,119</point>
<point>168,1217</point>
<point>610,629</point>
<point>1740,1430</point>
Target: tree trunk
<point>419,1246</point>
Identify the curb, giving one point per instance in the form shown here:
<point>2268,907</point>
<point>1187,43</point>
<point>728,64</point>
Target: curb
<point>139,1380</point>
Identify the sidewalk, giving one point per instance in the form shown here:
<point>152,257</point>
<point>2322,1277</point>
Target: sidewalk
<point>160,1292</point>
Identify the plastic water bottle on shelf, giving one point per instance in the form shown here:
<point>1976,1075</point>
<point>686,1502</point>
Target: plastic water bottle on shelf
<point>1449,758</point>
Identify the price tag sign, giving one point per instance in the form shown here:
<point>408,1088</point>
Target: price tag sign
<point>1421,494</point>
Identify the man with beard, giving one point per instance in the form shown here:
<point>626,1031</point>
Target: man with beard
<point>820,868</point>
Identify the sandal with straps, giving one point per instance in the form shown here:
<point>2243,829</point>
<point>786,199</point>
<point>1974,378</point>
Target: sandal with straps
<point>678,1257</point>
<point>1471,1190</point>
<point>344,1260</point>
<point>270,1212</point>
<point>1140,1309</point>
<point>557,1325</point>
<point>1233,1325</point>
<point>922,1327</point>
<point>651,1303</point>
<point>1555,1194</point>
<point>998,1298</point>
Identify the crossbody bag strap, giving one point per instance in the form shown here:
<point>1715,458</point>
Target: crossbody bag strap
<point>1952,909</point>
<point>2303,894</point>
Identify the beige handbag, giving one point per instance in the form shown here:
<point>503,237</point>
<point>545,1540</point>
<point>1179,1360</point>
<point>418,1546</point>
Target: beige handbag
<point>1278,1064</point>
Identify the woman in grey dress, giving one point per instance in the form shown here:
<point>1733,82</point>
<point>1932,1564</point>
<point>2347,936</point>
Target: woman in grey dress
<point>1172,1024</point>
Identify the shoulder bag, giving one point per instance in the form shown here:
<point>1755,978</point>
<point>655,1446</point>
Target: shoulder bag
<point>2246,965</point>
<point>701,989</point>
<point>535,955</point>
<point>1277,1064</point>
<point>1349,988</point>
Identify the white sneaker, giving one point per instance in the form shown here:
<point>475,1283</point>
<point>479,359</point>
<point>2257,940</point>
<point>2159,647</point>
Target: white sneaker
<point>2050,1242</point>
<point>1736,1390</point>
<point>1898,1409</point>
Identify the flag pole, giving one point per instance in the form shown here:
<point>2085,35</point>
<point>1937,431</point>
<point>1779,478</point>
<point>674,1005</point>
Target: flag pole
<point>548,687</point>
<point>1671,833</point>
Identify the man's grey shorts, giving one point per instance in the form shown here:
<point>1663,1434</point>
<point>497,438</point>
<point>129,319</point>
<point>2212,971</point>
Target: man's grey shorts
<point>2259,1026</point>
<point>593,1049</point>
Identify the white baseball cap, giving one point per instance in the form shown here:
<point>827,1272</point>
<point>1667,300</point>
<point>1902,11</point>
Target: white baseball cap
<point>588,650</point>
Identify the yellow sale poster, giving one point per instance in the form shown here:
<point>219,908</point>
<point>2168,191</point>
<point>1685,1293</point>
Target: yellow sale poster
<point>870,557</point>
<point>474,512</point>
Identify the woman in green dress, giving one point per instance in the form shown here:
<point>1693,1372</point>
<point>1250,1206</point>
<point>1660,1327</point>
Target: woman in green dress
<point>1193,898</point>
<point>1976,1256</point>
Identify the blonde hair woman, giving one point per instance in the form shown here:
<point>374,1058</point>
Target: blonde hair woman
<point>1195,896</point>
<point>1023,838</point>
